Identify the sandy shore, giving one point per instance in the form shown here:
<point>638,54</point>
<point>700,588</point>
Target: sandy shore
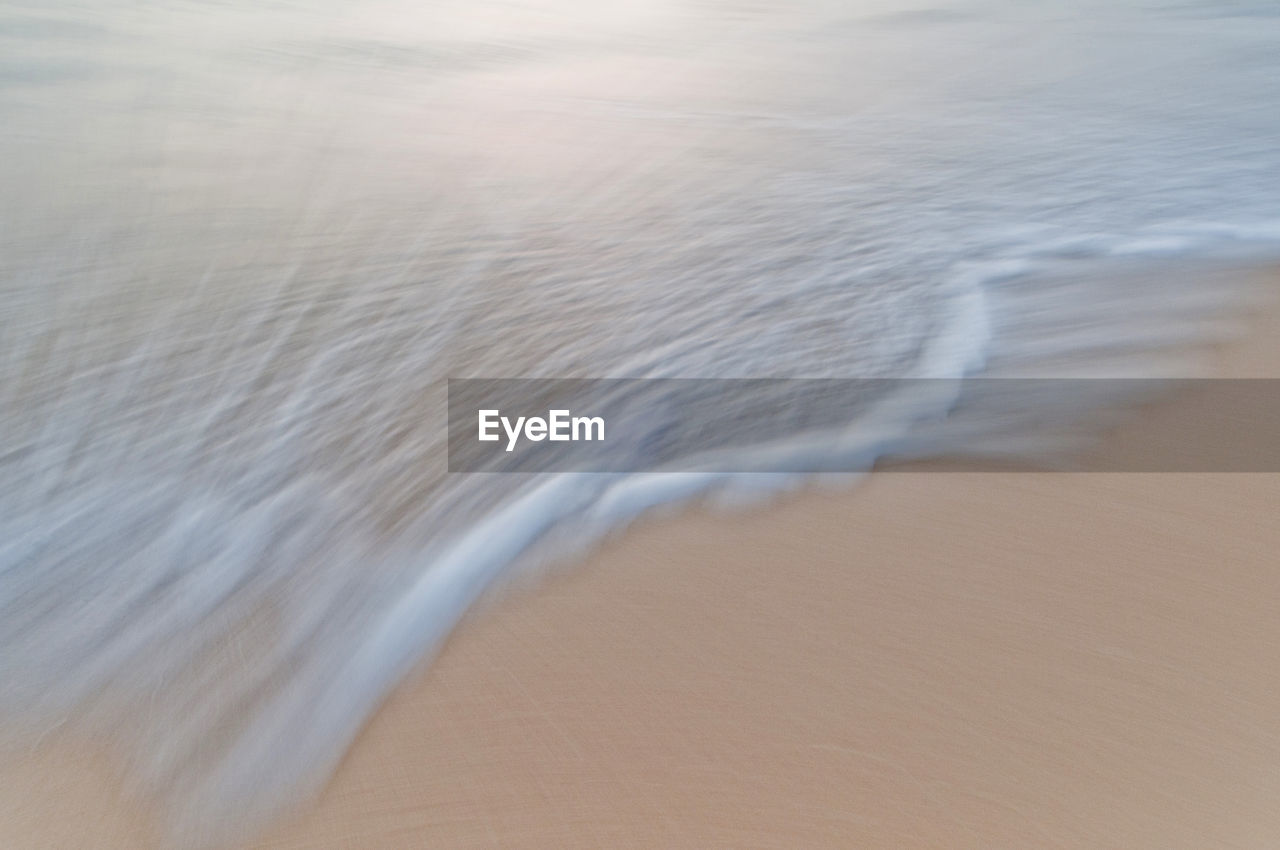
<point>933,660</point>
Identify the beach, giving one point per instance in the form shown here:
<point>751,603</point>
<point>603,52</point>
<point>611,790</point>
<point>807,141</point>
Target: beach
<point>933,659</point>
<point>819,293</point>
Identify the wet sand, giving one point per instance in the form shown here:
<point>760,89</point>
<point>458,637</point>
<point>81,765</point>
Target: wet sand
<point>937,659</point>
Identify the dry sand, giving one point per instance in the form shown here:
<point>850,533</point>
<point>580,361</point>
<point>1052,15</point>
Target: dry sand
<point>938,659</point>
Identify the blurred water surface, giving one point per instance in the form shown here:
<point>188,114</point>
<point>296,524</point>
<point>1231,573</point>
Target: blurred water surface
<point>242,244</point>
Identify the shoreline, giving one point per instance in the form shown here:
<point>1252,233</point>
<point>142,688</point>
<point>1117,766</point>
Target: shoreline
<point>939,659</point>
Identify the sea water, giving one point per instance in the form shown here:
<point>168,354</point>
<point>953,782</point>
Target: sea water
<point>244,244</point>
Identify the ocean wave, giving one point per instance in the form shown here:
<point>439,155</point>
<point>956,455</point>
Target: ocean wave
<point>236,274</point>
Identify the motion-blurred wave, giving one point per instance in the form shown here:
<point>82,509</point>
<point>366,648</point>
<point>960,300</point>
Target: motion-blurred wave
<point>242,245</point>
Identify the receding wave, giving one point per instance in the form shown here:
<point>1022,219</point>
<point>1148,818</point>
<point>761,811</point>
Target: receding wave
<point>236,277</point>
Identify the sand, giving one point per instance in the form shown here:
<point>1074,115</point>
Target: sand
<point>936,659</point>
